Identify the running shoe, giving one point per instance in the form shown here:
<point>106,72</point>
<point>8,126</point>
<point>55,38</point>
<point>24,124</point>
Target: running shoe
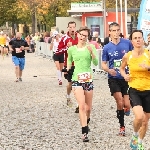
<point>60,82</point>
<point>122,131</point>
<point>17,80</point>
<point>134,142</point>
<point>85,137</point>
<point>20,79</point>
<point>69,102</point>
<point>77,110</point>
<point>140,147</point>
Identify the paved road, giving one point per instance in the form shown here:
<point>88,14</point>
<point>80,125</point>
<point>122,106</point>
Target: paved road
<point>34,115</point>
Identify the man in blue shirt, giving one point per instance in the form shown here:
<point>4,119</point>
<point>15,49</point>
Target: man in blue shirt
<point>113,53</point>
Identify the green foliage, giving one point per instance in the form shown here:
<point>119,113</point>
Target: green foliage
<point>21,11</point>
<point>4,10</point>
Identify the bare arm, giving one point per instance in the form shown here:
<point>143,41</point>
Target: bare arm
<point>52,44</point>
<point>122,68</point>
<point>104,66</point>
<point>110,71</point>
<point>69,59</point>
<point>10,48</point>
<point>26,48</point>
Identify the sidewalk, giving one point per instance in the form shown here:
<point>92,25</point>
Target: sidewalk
<point>34,115</point>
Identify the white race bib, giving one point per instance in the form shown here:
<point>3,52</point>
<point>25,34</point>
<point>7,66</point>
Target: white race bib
<point>117,63</point>
<point>18,50</point>
<point>84,77</point>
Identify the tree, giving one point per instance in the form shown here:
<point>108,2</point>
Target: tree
<point>4,11</point>
<point>35,9</point>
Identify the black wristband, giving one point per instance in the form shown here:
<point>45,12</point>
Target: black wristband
<point>148,69</point>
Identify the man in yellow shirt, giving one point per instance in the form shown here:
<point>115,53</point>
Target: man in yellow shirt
<point>2,44</point>
<point>138,61</point>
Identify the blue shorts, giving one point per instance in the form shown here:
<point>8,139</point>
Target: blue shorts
<point>19,62</point>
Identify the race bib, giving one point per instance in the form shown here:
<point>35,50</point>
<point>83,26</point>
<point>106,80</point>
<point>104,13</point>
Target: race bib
<point>84,77</point>
<point>18,50</point>
<point>117,63</point>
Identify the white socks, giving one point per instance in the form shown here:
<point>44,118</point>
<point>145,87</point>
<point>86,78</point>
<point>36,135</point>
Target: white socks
<point>59,75</point>
<point>135,134</point>
<point>68,96</point>
<point>139,141</point>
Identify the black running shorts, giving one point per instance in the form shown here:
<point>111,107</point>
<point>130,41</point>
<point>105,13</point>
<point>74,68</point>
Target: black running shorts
<point>140,98</point>
<point>59,58</point>
<point>118,85</point>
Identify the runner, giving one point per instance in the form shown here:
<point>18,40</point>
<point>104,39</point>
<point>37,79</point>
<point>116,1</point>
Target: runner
<point>7,44</point>
<point>53,46</point>
<point>18,47</point>
<point>3,44</point>
<point>138,61</point>
<point>69,39</point>
<point>113,53</point>
<point>82,84</point>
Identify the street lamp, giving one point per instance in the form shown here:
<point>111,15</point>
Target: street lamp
<point>104,16</point>
<point>117,11</point>
<point>126,16</point>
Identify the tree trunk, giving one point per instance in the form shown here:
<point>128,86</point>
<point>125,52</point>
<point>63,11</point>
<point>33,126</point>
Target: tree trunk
<point>33,22</point>
<point>13,29</point>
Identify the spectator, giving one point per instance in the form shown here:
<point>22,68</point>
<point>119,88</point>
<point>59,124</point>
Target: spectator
<point>96,38</point>
<point>62,33</point>
<point>46,37</point>
<point>107,40</point>
<point>93,42</point>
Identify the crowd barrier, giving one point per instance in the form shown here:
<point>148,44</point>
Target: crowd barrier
<point>43,49</point>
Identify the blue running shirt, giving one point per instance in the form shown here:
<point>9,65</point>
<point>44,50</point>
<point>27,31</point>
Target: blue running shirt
<point>114,54</point>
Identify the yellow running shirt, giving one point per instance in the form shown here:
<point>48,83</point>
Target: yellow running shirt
<point>139,77</point>
<point>2,40</point>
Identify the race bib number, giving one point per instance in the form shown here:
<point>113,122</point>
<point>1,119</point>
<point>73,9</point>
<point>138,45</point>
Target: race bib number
<point>18,50</point>
<point>117,63</point>
<point>84,77</point>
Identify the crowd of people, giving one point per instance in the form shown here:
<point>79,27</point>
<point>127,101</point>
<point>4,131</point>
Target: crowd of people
<point>127,62</point>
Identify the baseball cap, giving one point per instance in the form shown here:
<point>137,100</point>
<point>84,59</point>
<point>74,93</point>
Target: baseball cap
<point>55,33</point>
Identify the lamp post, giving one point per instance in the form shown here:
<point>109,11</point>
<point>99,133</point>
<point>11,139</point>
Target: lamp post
<point>104,16</point>
<point>117,11</point>
<point>121,17</point>
<point>126,16</point>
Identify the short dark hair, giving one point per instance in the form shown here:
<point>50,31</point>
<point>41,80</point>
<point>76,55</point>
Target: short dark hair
<point>62,32</point>
<point>90,37</point>
<point>85,28</point>
<point>71,22</point>
<point>113,24</point>
<point>130,37</point>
